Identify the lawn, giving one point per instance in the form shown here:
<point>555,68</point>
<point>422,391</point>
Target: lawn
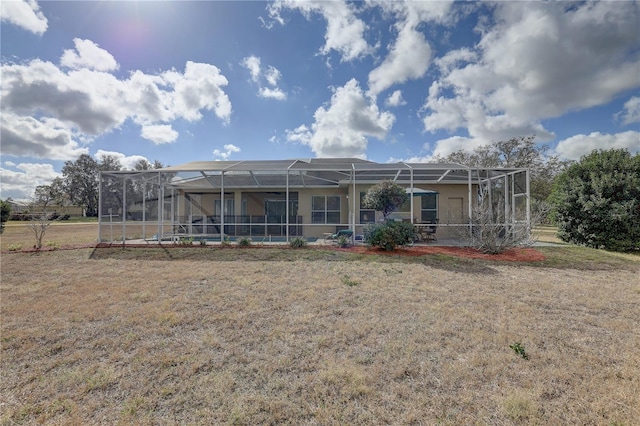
<point>274,336</point>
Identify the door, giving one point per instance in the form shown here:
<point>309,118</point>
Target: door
<point>455,211</point>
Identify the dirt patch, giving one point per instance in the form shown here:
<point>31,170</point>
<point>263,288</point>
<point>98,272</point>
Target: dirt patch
<point>511,255</point>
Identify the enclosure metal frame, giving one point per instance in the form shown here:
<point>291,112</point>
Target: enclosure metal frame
<point>326,173</point>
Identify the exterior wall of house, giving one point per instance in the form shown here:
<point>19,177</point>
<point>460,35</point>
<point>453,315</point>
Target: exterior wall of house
<point>452,208</point>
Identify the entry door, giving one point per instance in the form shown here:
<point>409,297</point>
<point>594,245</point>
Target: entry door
<point>455,211</point>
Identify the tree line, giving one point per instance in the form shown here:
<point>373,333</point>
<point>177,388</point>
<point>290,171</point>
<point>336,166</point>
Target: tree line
<point>79,182</point>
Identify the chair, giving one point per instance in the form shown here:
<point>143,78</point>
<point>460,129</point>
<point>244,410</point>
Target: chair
<point>347,233</point>
<point>428,233</point>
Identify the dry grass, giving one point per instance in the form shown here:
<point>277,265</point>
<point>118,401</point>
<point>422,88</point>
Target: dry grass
<point>112,336</point>
<point>58,234</point>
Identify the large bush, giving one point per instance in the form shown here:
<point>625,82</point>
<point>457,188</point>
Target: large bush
<point>5,213</point>
<point>597,201</point>
<point>389,235</point>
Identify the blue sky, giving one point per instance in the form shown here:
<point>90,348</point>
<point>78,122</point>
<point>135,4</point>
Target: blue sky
<point>385,81</point>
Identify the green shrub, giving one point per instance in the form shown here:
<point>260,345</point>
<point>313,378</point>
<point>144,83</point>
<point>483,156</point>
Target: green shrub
<point>15,247</point>
<point>52,244</point>
<point>298,242</point>
<point>389,235</point>
<point>597,201</point>
<point>244,242</point>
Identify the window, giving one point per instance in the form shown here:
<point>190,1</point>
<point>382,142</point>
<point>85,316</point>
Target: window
<point>429,208</point>
<point>229,209</point>
<point>325,209</point>
<point>366,215</point>
<point>277,208</point>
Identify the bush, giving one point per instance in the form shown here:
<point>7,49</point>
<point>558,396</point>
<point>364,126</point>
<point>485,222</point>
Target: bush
<point>389,235</point>
<point>298,242</point>
<point>597,201</point>
<point>244,242</point>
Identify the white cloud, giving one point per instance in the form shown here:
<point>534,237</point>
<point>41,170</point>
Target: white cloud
<point>159,133</point>
<point>576,146</point>
<point>444,147</point>
<point>200,87</point>
<point>126,161</point>
<point>342,129</point>
<point>631,112</point>
<point>539,61</point>
<point>88,56</point>
<point>25,14</point>
<point>43,138</point>
<point>395,99</point>
<point>345,32</point>
<point>271,75</point>
<point>20,183</point>
<point>50,113</point>
<point>277,94</point>
<point>252,63</point>
<point>226,153</point>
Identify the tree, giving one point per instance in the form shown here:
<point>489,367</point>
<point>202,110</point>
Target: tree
<point>44,196</point>
<point>81,182</point>
<point>494,228</point>
<point>597,201</point>
<point>385,197</point>
<point>5,213</point>
<point>515,153</point>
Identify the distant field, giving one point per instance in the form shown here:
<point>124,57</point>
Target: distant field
<point>317,337</point>
<point>60,233</point>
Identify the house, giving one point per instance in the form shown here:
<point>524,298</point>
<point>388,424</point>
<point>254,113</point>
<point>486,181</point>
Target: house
<point>279,199</point>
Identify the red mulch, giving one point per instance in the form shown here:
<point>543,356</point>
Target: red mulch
<point>511,255</point>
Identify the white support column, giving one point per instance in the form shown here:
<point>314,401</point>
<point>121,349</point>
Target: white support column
<point>506,202</point>
<point>470,206</point>
<point>412,197</point>
<point>144,210</point>
<point>124,209</point>
<point>160,207</point>
<point>286,209</point>
<point>221,207</point>
<point>173,212</point>
<point>100,207</point>
<point>353,201</point>
<point>528,200</point>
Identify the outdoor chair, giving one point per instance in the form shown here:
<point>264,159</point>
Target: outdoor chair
<point>428,233</point>
<point>347,233</point>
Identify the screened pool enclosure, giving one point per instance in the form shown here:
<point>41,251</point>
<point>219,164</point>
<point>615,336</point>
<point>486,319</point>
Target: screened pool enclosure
<point>276,200</point>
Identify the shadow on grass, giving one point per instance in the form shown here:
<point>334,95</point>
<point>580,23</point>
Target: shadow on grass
<point>458,264</point>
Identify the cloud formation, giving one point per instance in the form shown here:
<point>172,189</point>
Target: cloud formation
<point>127,162</point>
<point>631,112</point>
<point>25,14</point>
<point>539,61</point>
<point>88,55</point>
<point>409,57</point>
<point>19,180</point>
<point>271,76</point>
<point>225,153</point>
<point>342,128</point>
<point>345,32</point>
<point>49,112</point>
<point>576,146</point>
